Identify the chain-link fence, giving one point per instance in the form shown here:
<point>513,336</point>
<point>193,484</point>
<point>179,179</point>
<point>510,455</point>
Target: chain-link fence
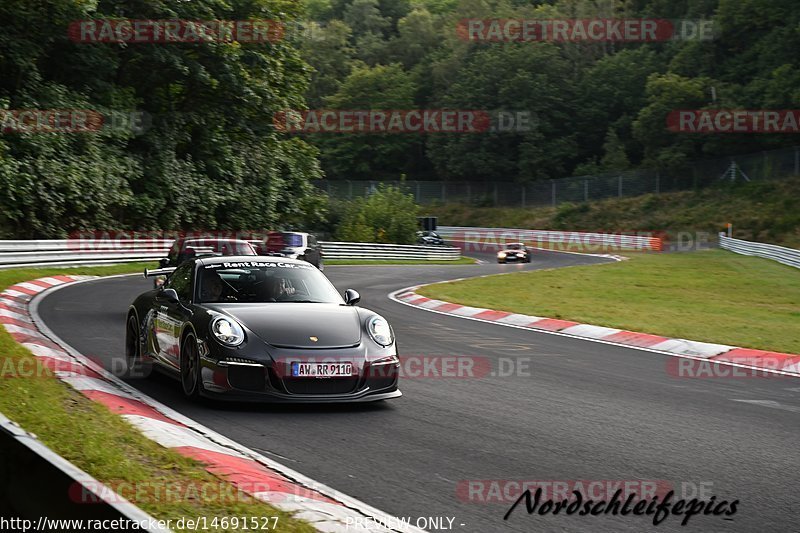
<point>774,164</point>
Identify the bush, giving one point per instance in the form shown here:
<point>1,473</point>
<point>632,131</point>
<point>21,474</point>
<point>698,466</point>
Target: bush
<point>386,216</point>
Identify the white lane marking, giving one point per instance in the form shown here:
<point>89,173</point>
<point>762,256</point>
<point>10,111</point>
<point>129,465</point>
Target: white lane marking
<point>465,311</point>
<point>18,294</point>
<point>43,351</point>
<point>771,404</point>
<point>31,286</point>
<point>29,331</point>
<point>22,317</point>
<point>13,304</point>
<point>52,281</point>
<point>87,383</point>
<point>432,303</point>
<point>592,332</point>
<point>520,320</point>
<point>171,435</point>
<point>696,348</point>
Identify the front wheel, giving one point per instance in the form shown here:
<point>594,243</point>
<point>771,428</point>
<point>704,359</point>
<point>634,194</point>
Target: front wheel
<point>134,363</point>
<point>191,379</point>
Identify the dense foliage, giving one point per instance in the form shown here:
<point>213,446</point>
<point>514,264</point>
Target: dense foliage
<point>598,106</point>
<point>207,158</point>
<point>385,216</point>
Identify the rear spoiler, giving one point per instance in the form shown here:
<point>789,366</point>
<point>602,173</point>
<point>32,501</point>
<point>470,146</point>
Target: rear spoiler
<point>148,273</point>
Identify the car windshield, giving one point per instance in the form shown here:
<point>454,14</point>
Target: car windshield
<point>292,240</point>
<point>515,247</point>
<point>265,282</point>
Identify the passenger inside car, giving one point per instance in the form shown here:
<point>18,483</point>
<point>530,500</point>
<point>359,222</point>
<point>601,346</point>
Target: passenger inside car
<point>278,288</point>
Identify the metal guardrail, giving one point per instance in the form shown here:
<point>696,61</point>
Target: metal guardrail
<point>350,250</point>
<point>489,236</point>
<point>786,256</point>
<point>88,252</point>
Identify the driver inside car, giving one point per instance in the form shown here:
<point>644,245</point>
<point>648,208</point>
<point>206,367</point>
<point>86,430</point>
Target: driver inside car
<point>213,288</point>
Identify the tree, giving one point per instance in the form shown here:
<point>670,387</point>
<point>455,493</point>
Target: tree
<point>370,155</point>
<point>529,78</point>
<point>387,215</point>
<point>208,158</point>
<point>615,157</point>
<point>326,48</point>
<point>418,37</point>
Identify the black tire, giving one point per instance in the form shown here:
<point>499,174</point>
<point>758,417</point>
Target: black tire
<point>134,365</point>
<point>191,382</point>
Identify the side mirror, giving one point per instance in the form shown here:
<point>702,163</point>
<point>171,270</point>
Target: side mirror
<point>163,262</point>
<point>169,295</point>
<point>351,297</point>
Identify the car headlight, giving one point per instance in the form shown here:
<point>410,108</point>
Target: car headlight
<point>501,254</point>
<point>227,331</point>
<point>380,331</point>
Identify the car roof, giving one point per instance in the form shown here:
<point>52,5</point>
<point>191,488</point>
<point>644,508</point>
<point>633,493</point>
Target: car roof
<point>248,259</point>
<point>201,239</point>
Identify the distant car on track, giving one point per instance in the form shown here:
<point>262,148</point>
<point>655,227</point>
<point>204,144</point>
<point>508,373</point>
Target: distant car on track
<point>429,238</point>
<point>184,249</point>
<point>514,252</point>
<point>294,245</point>
<point>262,328</point>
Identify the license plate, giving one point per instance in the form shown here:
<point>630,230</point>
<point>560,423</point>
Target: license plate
<point>322,370</point>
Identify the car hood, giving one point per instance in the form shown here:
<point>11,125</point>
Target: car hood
<point>292,325</point>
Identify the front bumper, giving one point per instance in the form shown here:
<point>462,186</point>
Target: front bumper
<point>270,380</point>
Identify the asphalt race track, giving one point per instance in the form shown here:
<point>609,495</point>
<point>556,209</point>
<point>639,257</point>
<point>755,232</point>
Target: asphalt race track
<point>586,411</point>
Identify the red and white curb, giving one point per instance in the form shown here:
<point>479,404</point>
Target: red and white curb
<point>760,360</point>
<point>326,509</point>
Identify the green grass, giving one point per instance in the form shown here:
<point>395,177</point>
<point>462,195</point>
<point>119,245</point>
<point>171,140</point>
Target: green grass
<point>764,211</point>
<point>104,444</point>
<point>355,262</point>
<point>712,296</point>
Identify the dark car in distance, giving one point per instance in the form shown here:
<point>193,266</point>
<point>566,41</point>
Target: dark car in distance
<point>262,328</point>
<point>294,245</point>
<point>514,252</point>
<point>184,249</point>
<point>429,238</point>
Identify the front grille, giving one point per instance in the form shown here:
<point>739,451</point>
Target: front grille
<point>321,386</point>
<point>247,378</point>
